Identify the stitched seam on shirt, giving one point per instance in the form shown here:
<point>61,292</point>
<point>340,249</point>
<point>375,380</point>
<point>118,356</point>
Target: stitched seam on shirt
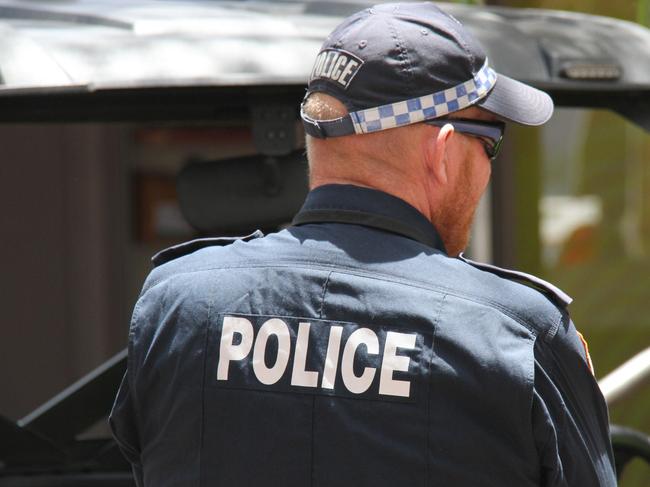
<point>549,438</point>
<point>387,278</point>
<point>405,64</point>
<point>346,208</point>
<point>376,276</point>
<point>436,321</point>
<point>550,334</point>
<point>322,299</point>
<point>571,402</point>
<point>203,380</point>
<point>131,373</point>
<point>313,401</point>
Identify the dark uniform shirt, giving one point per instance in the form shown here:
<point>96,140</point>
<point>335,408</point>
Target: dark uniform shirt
<point>350,350</point>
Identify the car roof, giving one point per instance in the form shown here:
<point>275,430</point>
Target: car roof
<point>109,43</point>
<point>88,46</point>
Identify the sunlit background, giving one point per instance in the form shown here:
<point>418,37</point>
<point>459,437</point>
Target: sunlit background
<point>590,232</point>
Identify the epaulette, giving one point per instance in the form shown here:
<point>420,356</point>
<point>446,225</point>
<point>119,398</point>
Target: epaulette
<point>185,248</point>
<point>541,285</point>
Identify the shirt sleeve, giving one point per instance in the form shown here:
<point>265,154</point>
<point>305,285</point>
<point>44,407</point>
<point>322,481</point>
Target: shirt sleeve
<point>122,423</point>
<point>123,418</point>
<point>569,414</point>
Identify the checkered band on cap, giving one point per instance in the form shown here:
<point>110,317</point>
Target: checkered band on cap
<point>425,107</point>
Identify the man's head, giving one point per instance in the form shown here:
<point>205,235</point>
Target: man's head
<point>383,72</point>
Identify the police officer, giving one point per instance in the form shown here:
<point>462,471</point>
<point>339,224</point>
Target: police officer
<point>358,347</point>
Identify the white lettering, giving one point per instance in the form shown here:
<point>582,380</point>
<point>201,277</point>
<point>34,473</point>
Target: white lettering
<point>358,385</point>
<point>228,351</point>
<point>382,361</point>
<point>336,72</point>
<point>352,65</point>
<point>387,385</point>
<point>318,65</point>
<point>331,59</point>
<point>332,357</point>
<point>300,376</point>
<point>270,375</point>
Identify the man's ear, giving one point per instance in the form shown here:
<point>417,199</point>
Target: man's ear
<point>436,157</point>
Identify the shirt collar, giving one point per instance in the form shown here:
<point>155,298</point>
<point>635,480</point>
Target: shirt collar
<point>364,206</point>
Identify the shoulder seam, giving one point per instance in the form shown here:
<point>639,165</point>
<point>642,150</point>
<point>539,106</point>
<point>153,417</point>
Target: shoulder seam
<point>540,285</point>
<point>374,275</point>
<point>186,248</point>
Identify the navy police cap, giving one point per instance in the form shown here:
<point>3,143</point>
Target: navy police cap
<point>401,63</point>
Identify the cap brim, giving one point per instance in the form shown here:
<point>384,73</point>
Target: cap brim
<point>518,102</point>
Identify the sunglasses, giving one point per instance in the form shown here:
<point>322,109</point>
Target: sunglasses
<point>489,133</point>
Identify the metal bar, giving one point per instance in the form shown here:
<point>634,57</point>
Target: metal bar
<point>626,378</point>
<point>80,405</point>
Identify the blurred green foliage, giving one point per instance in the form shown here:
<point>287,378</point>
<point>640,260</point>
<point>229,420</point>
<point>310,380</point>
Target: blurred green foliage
<point>643,12</point>
<point>626,9</point>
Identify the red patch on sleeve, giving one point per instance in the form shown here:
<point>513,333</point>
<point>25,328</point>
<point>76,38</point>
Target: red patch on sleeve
<point>588,357</point>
